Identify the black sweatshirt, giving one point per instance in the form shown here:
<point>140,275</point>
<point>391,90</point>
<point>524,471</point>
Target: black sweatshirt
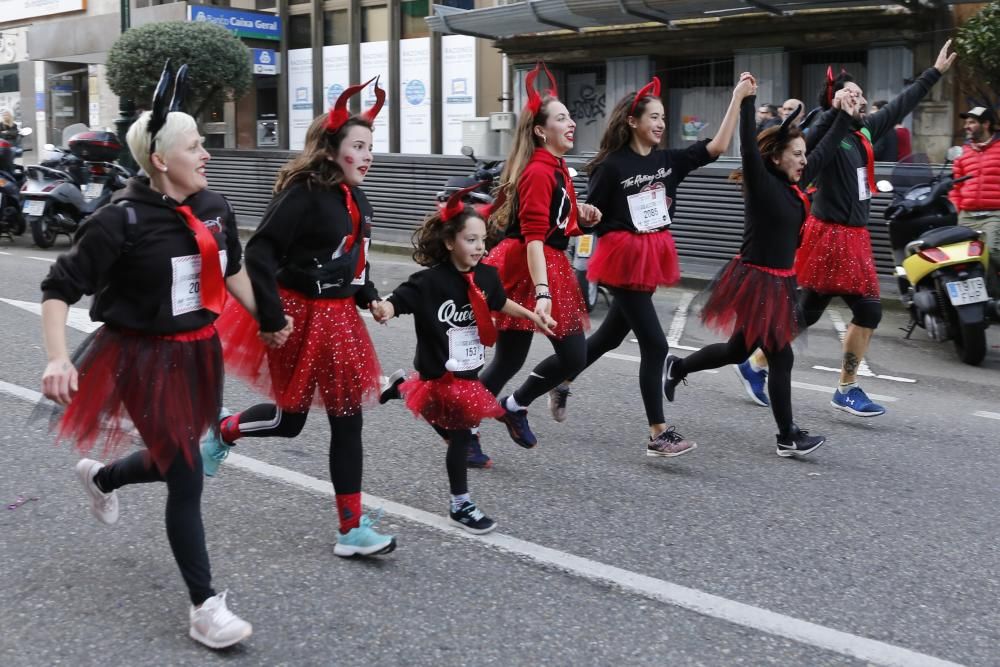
<point>625,172</point>
<point>838,198</point>
<point>130,268</point>
<point>304,226</point>
<point>773,212</point>
<point>439,301</point>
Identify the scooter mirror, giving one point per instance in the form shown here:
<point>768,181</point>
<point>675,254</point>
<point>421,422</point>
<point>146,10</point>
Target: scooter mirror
<point>572,172</point>
<point>884,186</point>
<point>468,152</point>
<point>954,153</point>
<point>25,131</point>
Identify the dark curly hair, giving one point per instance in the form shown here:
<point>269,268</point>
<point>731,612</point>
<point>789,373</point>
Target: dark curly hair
<point>429,240</point>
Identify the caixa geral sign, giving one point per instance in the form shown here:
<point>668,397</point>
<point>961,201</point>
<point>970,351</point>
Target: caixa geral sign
<point>255,25</point>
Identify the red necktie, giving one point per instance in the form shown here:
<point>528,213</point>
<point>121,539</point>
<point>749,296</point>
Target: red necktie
<point>484,321</point>
<point>213,286</point>
<point>870,152</point>
<point>352,210</point>
<point>804,196</point>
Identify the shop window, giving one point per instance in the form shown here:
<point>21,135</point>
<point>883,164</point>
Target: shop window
<point>300,31</point>
<point>374,24</point>
<point>336,27</point>
<point>266,6</point>
<point>411,18</point>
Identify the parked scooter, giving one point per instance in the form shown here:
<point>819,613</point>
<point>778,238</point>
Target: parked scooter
<point>940,266</point>
<point>485,173</point>
<point>12,221</point>
<point>71,184</point>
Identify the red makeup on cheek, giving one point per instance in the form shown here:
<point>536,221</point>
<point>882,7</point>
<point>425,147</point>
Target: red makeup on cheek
<point>348,159</point>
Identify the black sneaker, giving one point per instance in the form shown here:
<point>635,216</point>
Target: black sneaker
<point>477,458</point>
<point>671,376</point>
<point>798,443</point>
<point>389,385</point>
<point>516,422</point>
<point>471,519</point>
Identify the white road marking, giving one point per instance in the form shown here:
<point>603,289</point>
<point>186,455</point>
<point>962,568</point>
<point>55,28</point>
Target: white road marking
<point>863,368</point>
<point>42,259</point>
<point>78,318</point>
<point>893,378</point>
<point>5,253</point>
<point>987,415</point>
<point>829,390</point>
<point>630,357</point>
<point>691,599</point>
<point>676,329</point>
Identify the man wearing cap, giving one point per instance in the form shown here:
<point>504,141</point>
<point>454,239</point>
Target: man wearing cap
<point>978,199</point>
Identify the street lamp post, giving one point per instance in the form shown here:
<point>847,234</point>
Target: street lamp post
<point>126,108</point>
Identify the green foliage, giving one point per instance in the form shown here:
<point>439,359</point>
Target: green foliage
<point>219,63</point>
<point>978,46</point>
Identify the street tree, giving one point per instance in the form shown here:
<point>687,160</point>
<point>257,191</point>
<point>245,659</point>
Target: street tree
<point>978,45</point>
<point>219,63</point>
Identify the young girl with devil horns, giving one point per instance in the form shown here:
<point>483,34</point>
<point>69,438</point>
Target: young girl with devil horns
<point>753,299</point>
<point>451,302</point>
<point>310,273</point>
<point>158,261</point>
<point>634,184</point>
<point>538,214</point>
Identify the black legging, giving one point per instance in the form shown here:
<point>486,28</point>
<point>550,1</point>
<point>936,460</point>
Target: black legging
<point>185,530</point>
<point>267,420</point>
<point>866,311</point>
<point>512,350</point>
<point>455,460</point>
<point>736,351</point>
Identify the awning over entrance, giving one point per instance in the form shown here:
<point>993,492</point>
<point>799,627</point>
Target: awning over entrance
<point>535,16</point>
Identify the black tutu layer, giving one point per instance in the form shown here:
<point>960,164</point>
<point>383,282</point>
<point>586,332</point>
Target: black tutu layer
<point>758,301</point>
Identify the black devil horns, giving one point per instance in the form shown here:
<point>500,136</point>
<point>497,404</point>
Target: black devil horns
<point>168,96</point>
<point>787,123</point>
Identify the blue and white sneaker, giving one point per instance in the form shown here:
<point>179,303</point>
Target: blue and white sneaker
<point>214,449</point>
<point>856,402</point>
<point>364,540</point>
<point>754,382</point>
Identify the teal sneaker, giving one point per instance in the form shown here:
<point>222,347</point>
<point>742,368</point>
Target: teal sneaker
<point>364,540</point>
<point>213,449</point>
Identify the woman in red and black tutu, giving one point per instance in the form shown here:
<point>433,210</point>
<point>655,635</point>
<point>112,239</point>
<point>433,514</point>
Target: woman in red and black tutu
<point>538,214</point>
<point>158,261</point>
<point>310,272</point>
<point>451,302</point>
<point>634,184</point>
<point>753,299</point>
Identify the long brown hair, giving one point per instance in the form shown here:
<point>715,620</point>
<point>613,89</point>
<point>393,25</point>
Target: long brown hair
<point>525,143</point>
<point>429,239</point>
<point>618,133</point>
<point>313,165</point>
<point>771,142</point>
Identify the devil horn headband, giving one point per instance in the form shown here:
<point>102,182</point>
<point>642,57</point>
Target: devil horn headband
<point>651,89</point>
<point>180,89</point>
<point>486,210</point>
<point>829,85</point>
<point>787,123</point>
<point>534,103</point>
<point>455,203</point>
<point>339,114</point>
<point>162,102</point>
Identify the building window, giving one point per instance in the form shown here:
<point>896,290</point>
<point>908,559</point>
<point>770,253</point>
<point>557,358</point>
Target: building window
<point>336,27</point>
<point>300,31</point>
<point>700,73</point>
<point>411,14</point>
<point>266,6</point>
<point>374,24</point>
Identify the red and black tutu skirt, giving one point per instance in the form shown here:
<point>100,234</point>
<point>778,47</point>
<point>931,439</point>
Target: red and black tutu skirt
<point>450,402</point>
<point>757,301</point>
<point>836,259</point>
<point>328,360</point>
<point>640,262</point>
<point>168,386</point>
<point>569,311</point>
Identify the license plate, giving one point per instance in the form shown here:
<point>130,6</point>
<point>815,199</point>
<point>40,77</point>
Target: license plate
<point>585,245</point>
<point>34,207</point>
<point>93,191</point>
<point>963,292</point>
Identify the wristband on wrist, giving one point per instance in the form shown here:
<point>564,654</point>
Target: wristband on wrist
<point>545,295</point>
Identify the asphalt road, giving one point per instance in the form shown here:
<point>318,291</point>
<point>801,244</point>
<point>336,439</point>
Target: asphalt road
<point>879,549</point>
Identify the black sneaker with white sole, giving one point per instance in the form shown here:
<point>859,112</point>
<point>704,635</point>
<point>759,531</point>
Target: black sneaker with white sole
<point>672,376</point>
<point>389,386</point>
<point>798,443</point>
<point>471,519</point>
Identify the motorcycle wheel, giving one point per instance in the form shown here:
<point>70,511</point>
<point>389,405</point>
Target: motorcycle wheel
<point>588,289</point>
<point>970,343</point>
<point>42,231</point>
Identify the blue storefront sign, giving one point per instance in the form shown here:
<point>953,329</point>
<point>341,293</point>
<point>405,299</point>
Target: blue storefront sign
<point>265,61</point>
<point>255,25</point>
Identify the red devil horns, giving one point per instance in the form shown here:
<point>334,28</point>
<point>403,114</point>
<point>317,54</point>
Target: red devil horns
<point>534,99</point>
<point>651,89</point>
<point>455,203</point>
<point>486,210</point>
<point>829,85</point>
<point>339,114</point>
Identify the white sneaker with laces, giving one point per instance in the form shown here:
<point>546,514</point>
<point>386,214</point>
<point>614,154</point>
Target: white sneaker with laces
<point>215,626</point>
<point>104,506</point>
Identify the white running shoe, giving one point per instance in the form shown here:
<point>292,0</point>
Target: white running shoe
<point>215,626</point>
<point>104,506</point>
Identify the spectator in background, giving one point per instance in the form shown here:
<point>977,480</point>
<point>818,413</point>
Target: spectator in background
<point>789,107</point>
<point>767,116</point>
<point>8,128</point>
<point>887,146</point>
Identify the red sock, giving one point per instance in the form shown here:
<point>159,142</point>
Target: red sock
<point>229,428</point>
<point>349,509</point>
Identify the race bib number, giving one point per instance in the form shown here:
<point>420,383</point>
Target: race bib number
<point>360,280</point>
<point>864,192</point>
<point>649,209</point>
<point>464,347</point>
<point>185,292</point>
